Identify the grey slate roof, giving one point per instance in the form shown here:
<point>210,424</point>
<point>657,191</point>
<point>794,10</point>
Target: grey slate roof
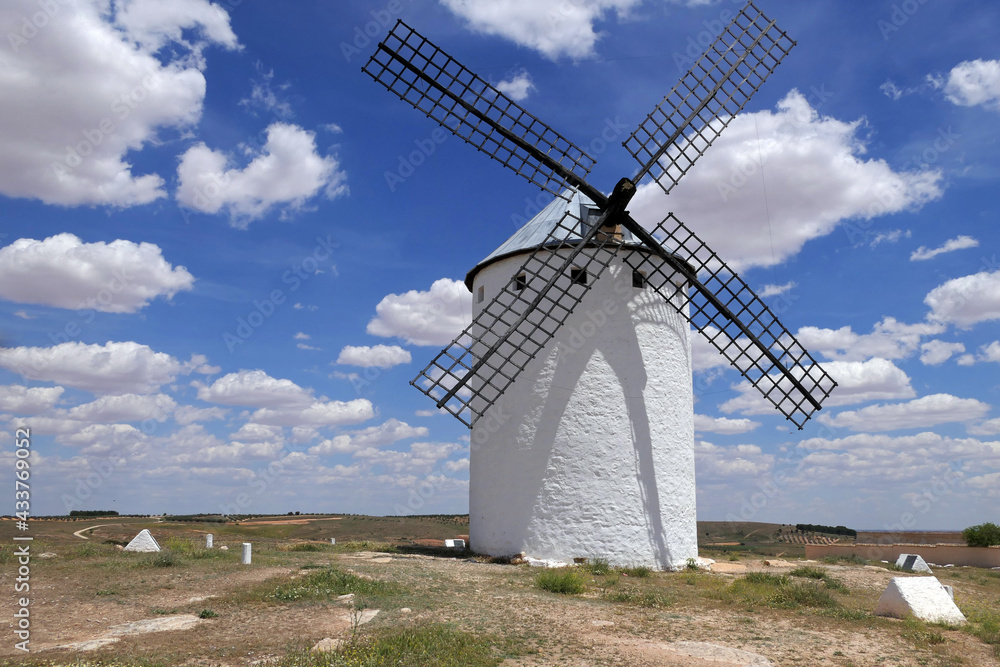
<point>535,231</point>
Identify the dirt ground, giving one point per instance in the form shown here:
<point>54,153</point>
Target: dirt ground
<point>79,599</point>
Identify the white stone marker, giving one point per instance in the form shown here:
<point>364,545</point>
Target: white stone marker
<point>913,563</point>
<point>333,540</point>
<point>455,544</point>
<point>208,541</point>
<point>143,542</point>
<point>246,553</point>
<point>922,597</point>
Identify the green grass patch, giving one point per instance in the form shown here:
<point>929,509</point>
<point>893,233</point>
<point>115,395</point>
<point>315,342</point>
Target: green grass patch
<point>307,546</point>
<point>423,646</point>
<point>207,613</point>
<point>596,566</point>
<point>650,599</point>
<point>564,580</point>
<point>329,583</point>
<point>640,572</point>
<point>852,559</point>
<point>984,624</point>
<point>366,545</point>
<point>761,589</point>
<point>822,575</point>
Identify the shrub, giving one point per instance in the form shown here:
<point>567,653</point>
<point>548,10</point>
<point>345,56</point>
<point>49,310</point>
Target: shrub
<point>560,580</point>
<point>983,535</point>
<point>329,583</point>
<point>640,572</point>
<point>596,566</point>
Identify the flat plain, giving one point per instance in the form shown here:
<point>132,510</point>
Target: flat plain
<point>388,593</point>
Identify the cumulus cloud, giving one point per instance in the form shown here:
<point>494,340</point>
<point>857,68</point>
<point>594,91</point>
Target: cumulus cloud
<point>817,176</point>
<point>255,389</point>
<point>189,414</point>
<point>434,317</point>
<point>22,400</point>
<point>706,424</point>
<point>967,300</point>
<point>936,352</point>
<point>974,83</point>
<point>109,83</point>
<point>517,87</point>
<point>988,427</point>
<point>552,27</point>
<point>923,412</point>
<point>287,171</point>
<point>857,382</point>
<point>987,353</point>
<point>112,368</point>
<point>960,243</point>
<point>125,408</point>
<point>714,463</point>
<point>378,356</point>
<point>390,432</point>
<point>889,339</point>
<point>65,272</point>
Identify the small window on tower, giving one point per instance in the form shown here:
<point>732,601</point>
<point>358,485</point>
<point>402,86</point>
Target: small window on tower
<point>639,280</point>
<point>520,282</point>
<point>480,294</point>
<point>578,276</point>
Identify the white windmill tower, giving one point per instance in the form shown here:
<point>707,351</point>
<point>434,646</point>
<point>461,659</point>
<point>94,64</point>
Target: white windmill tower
<point>575,374</point>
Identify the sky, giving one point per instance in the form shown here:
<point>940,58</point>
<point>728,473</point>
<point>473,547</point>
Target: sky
<point>225,251</point>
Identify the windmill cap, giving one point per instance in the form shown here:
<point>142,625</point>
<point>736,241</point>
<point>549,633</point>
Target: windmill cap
<point>536,231</point>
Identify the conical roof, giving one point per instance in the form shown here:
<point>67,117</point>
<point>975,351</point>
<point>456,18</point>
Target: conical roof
<point>535,232</point>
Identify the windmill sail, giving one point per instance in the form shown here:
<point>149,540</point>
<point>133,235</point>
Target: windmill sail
<point>520,320</point>
<point>420,73</point>
<point>706,99</point>
<point>723,308</point>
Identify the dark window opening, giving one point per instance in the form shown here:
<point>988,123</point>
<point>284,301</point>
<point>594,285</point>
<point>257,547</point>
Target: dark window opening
<point>578,276</point>
<point>520,282</point>
<point>639,280</point>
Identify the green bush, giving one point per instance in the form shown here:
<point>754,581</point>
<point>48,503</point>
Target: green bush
<point>560,580</point>
<point>596,566</point>
<point>983,535</point>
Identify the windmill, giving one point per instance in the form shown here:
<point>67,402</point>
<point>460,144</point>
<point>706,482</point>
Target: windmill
<point>575,373</point>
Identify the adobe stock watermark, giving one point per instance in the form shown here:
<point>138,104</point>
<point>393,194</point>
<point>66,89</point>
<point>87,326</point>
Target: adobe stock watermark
<point>613,129</point>
<point>362,35</point>
<point>408,164</point>
<point>888,199</point>
<point>263,309</point>
<point>899,16</point>
<point>30,25</point>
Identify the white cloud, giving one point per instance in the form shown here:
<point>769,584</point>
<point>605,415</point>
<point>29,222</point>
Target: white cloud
<point>951,245</point>
<point>975,82</point>
<point>302,336</point>
<point>103,438</point>
<point>553,27</point>
<point>378,356</point>
<point>251,432</point>
<point>387,433</point>
<point>517,87</point>
<point>988,427</point>
<point>935,352</point>
<point>286,171</point>
<point>320,413</point>
<point>24,401</point>
<point>457,466</point>
<point>967,300</point>
<point>255,389</point>
<point>706,424</point>
<point>189,414</point>
<point>434,317</point>
<point>775,290</point>
<point>857,382</point>
<point>715,464</point>
<point>891,236</point>
<point>62,271</point>
<point>103,95</point>
<point>987,353</point>
<point>125,408</point>
<point>421,458</point>
<point>889,339</point>
<point>816,174</point>
<point>112,368</point>
<point>923,412</point>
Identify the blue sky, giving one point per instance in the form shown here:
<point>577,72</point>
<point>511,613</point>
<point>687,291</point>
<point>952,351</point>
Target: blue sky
<point>224,251</point>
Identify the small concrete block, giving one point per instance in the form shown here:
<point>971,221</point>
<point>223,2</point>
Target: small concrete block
<point>208,540</point>
<point>143,542</point>
<point>333,540</point>
<point>912,563</point>
<point>247,547</point>
<point>223,548</point>
<point>455,544</point>
<point>921,597</point>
